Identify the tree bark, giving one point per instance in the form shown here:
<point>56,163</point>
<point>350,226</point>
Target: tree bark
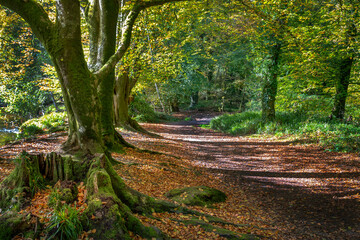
<point>103,42</point>
<point>342,86</point>
<point>122,93</point>
<point>269,89</point>
<point>194,99</point>
<point>344,74</point>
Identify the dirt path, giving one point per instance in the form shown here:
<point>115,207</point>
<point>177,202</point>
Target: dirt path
<point>297,192</point>
<point>307,193</point>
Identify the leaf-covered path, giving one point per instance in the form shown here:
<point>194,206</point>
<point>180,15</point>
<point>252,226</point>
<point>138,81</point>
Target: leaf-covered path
<point>276,189</point>
<point>304,192</point>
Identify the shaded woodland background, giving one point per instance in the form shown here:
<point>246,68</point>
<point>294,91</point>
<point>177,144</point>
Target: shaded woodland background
<point>216,56</point>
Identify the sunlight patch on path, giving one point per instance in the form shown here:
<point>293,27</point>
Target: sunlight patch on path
<point>272,163</point>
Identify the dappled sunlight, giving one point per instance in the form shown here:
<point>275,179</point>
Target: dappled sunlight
<point>307,189</point>
<point>254,156</point>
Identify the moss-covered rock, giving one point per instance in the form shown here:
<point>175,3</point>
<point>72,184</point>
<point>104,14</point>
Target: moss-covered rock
<point>196,196</point>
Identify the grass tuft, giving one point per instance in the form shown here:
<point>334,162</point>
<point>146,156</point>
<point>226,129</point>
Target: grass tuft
<point>334,135</point>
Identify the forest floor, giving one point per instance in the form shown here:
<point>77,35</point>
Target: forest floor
<point>276,189</point>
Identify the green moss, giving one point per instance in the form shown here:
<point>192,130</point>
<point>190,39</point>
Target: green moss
<point>50,122</point>
<point>24,180</point>
<point>106,217</point>
<point>11,223</point>
<point>151,232</point>
<point>220,231</point>
<point>197,196</point>
<point>68,169</point>
<point>99,182</point>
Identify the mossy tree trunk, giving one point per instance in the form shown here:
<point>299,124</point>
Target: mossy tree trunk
<point>344,73</point>
<point>88,94</point>
<point>79,85</point>
<point>102,18</point>
<point>122,92</point>
<point>342,86</point>
<point>270,82</point>
<point>123,86</point>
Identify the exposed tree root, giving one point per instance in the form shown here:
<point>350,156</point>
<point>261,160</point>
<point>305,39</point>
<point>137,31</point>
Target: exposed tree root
<point>110,202</point>
<point>134,126</point>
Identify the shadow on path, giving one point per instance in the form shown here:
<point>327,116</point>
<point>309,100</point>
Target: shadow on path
<point>315,194</point>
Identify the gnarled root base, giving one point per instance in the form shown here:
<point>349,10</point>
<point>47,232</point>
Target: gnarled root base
<point>134,126</point>
<point>110,202</point>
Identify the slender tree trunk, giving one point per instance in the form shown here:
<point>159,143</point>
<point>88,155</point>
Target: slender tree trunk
<point>54,102</point>
<point>194,100</point>
<point>342,85</point>
<point>160,98</point>
<point>269,89</point>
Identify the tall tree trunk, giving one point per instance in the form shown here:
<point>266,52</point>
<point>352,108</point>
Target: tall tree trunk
<point>123,86</point>
<point>270,83</point>
<point>103,29</point>
<point>344,73</point>
<point>342,85</point>
<point>77,82</point>
<point>122,93</point>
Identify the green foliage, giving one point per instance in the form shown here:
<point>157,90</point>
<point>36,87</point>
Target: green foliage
<point>64,223</point>
<point>333,135</point>
<point>54,199</point>
<point>141,111</point>
<point>6,137</point>
<point>25,69</point>
<point>48,122</point>
<point>204,52</point>
<point>36,183</point>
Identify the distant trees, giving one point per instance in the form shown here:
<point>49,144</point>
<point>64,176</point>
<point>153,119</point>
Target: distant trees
<point>233,55</point>
<point>319,46</point>
<point>24,67</point>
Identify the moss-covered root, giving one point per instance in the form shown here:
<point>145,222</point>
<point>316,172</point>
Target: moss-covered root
<point>196,196</point>
<point>12,223</point>
<point>220,231</point>
<point>111,218</point>
<point>28,177</point>
<point>22,181</point>
<point>137,127</point>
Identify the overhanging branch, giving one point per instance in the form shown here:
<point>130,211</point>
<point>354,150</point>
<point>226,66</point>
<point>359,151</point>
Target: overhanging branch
<point>126,34</point>
<point>34,14</point>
